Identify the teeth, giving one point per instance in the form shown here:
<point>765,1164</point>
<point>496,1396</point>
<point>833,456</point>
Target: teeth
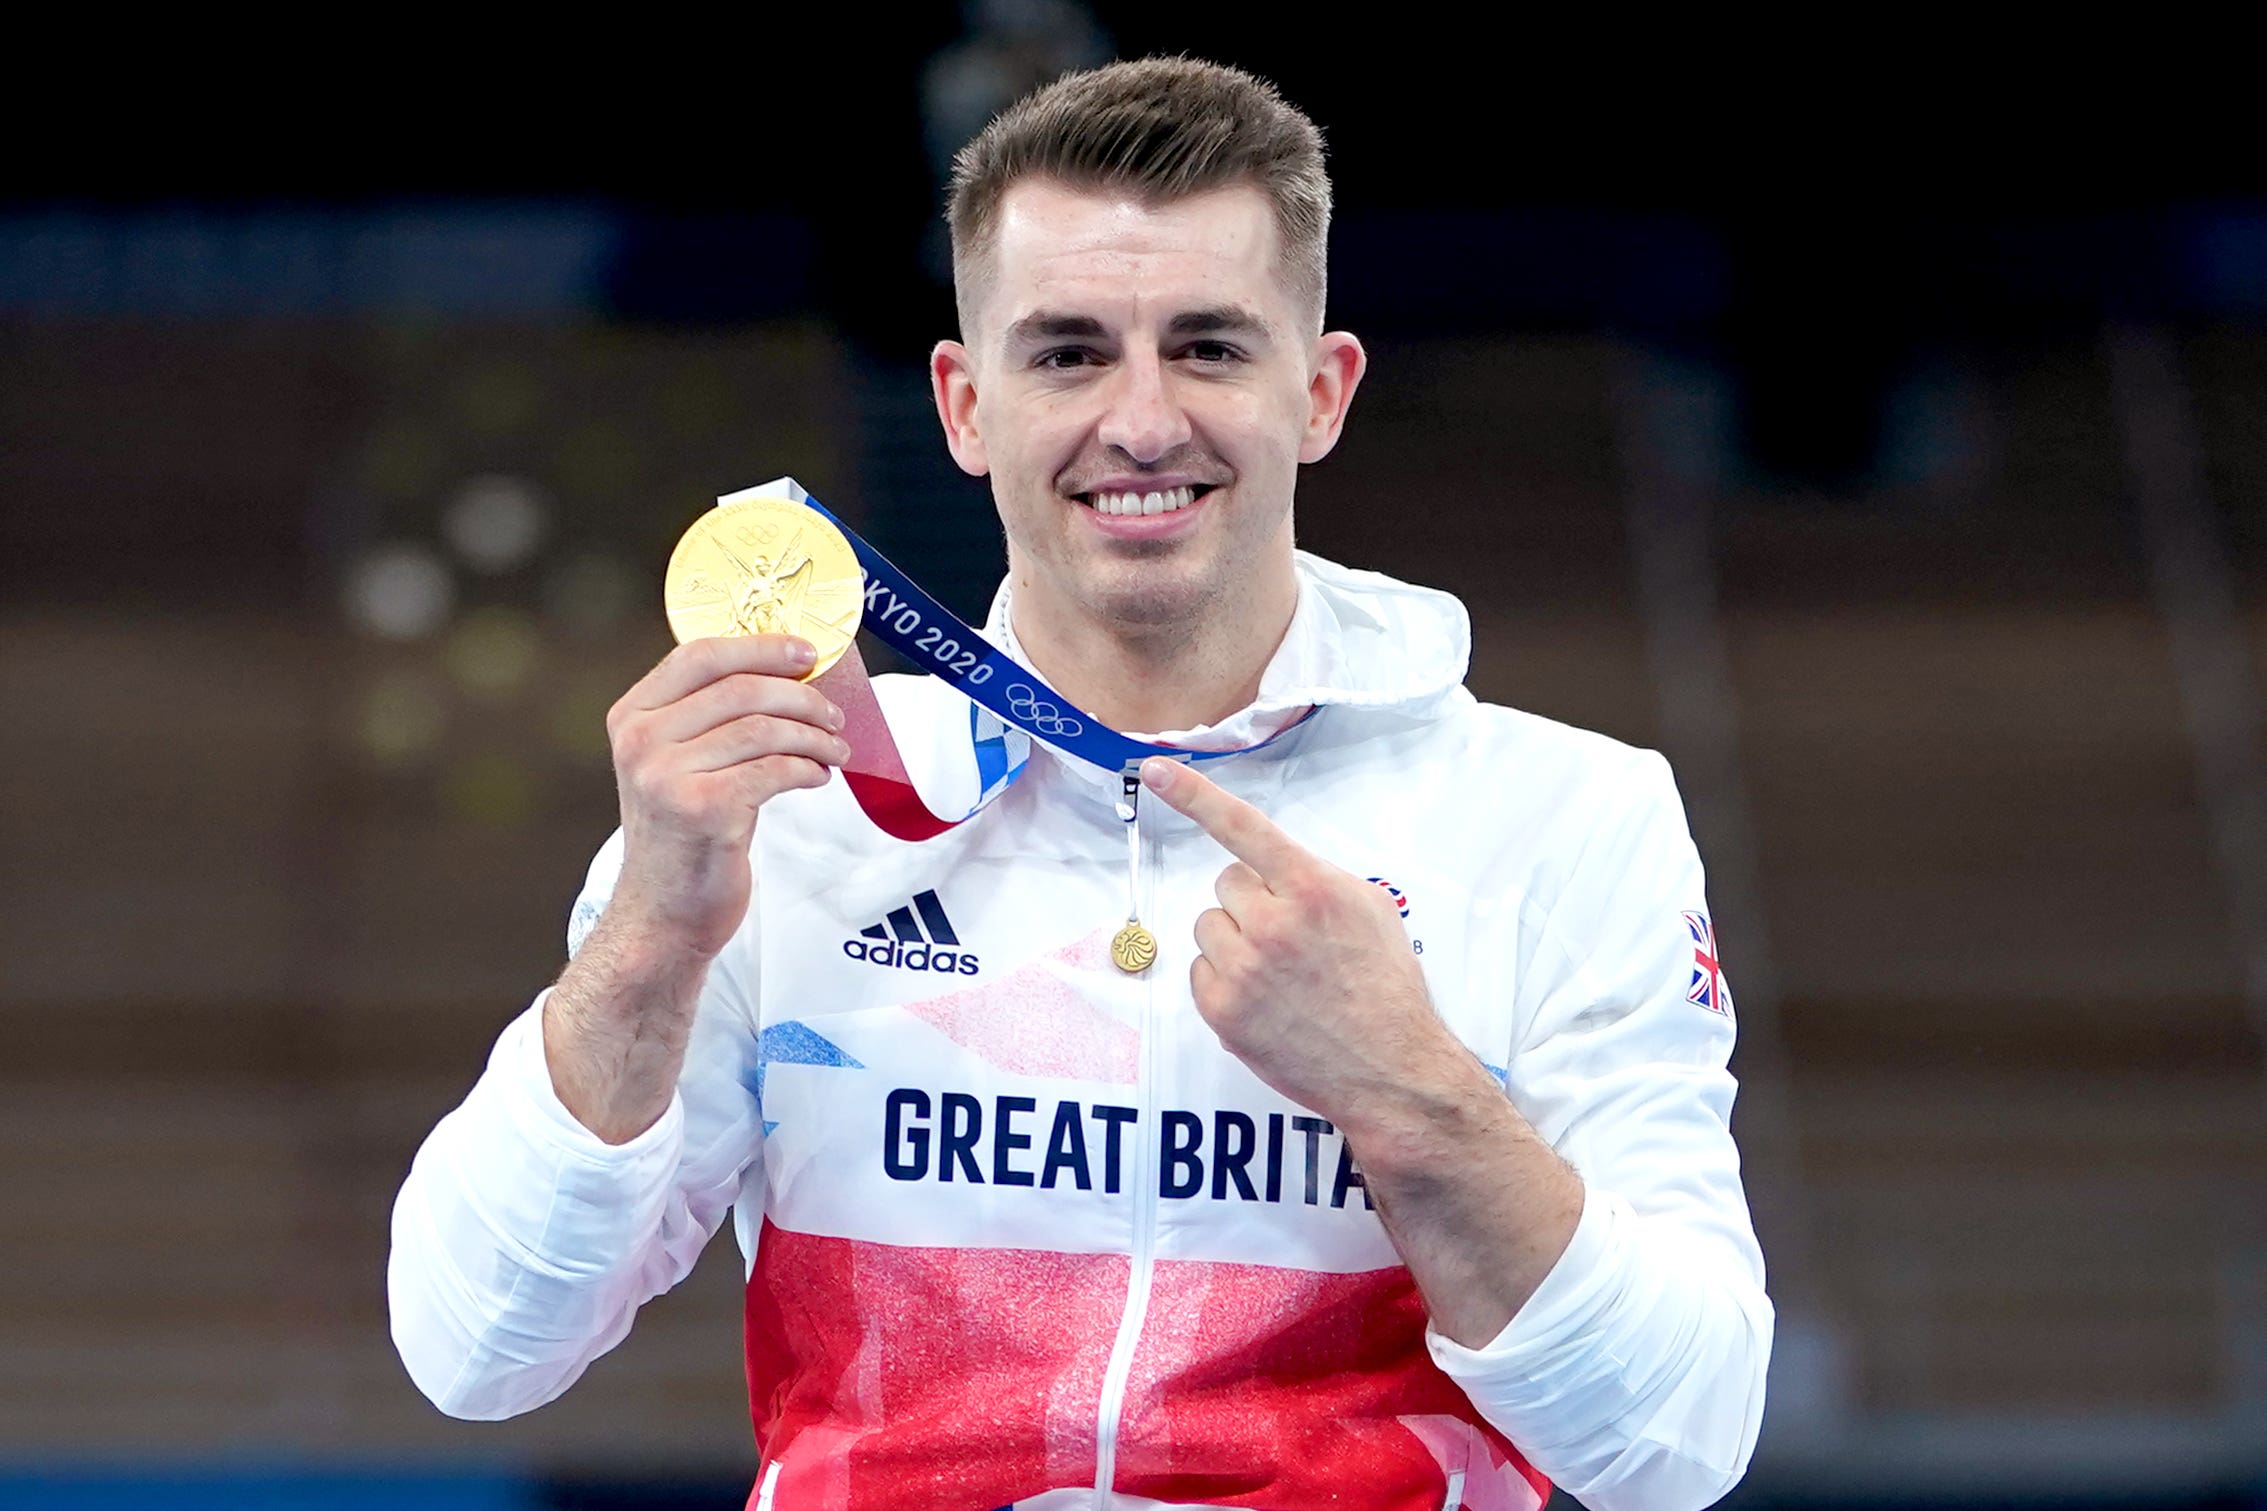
<point>1145,503</point>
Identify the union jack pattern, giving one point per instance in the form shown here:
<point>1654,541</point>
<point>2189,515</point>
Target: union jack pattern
<point>1707,987</point>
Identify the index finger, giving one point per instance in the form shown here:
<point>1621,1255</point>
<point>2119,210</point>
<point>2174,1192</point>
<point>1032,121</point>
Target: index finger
<point>1244,831</point>
<point>697,663</point>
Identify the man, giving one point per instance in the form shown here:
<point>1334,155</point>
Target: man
<point>1255,1226</point>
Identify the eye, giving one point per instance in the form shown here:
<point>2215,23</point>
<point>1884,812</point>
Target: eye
<point>1214,353</point>
<point>1063,358</point>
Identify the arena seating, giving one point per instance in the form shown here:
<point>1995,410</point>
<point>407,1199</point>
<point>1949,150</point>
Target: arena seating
<point>244,974</point>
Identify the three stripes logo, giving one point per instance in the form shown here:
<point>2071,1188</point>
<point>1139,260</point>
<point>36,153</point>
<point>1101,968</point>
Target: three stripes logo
<point>910,943</point>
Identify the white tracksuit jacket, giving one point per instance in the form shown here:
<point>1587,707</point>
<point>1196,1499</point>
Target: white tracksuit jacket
<point>1017,1226</point>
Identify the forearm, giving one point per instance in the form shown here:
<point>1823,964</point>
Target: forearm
<point>1478,1205</point>
<point>616,1025</point>
<point>1621,1354</point>
<point>522,1243</point>
<point>1635,1375</point>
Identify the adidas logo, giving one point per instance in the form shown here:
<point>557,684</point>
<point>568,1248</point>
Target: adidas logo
<point>904,944</point>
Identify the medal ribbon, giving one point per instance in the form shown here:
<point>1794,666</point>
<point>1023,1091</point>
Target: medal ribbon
<point>1010,704</point>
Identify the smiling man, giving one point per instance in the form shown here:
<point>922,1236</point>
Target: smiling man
<point>1401,1177</point>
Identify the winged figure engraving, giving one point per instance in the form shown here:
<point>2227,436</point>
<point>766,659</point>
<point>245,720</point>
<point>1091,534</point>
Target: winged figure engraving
<point>772,593</point>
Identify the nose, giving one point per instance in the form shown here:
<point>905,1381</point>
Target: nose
<point>1143,420</point>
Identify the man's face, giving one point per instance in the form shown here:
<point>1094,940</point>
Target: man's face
<point>1154,352</point>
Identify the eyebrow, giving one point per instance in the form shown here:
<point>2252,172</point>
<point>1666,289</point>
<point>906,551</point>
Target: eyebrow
<point>1214,320</point>
<point>1220,320</point>
<point>1047,325</point>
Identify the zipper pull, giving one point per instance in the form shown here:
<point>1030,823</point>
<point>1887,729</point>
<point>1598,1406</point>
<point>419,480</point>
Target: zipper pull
<point>1134,948</point>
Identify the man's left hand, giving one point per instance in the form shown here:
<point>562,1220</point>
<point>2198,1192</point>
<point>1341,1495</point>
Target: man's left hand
<point>1305,971</point>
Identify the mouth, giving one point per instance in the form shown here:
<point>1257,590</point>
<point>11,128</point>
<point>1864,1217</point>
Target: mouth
<point>1163,501</point>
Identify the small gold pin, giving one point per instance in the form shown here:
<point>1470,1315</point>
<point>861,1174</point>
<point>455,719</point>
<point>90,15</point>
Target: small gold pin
<point>1134,949</point>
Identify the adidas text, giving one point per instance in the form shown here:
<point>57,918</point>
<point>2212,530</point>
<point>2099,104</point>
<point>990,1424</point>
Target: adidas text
<point>910,957</point>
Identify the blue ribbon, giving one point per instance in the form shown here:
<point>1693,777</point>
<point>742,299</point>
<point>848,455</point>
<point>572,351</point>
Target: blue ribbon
<point>906,619</point>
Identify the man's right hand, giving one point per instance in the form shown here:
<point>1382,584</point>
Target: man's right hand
<point>701,743</point>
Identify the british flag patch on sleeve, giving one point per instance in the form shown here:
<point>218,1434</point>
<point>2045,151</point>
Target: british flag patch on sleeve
<point>1707,987</point>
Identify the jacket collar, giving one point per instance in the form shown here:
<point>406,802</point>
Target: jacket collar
<point>1357,638</point>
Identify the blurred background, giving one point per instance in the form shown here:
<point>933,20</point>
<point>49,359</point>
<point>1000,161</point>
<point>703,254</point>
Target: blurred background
<point>1887,451</point>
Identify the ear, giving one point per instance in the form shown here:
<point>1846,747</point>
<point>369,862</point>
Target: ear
<point>952,378</point>
<point>1338,368</point>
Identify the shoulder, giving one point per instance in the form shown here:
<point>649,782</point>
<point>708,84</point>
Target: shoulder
<point>1559,764</point>
<point>1487,759</point>
<point>1550,808</point>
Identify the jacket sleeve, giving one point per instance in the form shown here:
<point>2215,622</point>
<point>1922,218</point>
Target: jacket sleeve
<point>523,1244</point>
<point>1634,1376</point>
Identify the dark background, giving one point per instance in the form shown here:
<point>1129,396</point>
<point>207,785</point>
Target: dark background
<point>1865,413</point>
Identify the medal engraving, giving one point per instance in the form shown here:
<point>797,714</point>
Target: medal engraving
<point>766,567</point>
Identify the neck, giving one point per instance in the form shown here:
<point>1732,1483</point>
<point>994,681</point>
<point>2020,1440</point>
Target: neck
<point>1149,678</point>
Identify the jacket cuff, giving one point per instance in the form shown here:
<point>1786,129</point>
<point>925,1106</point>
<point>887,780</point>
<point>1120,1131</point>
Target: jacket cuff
<point>587,1166</point>
<point>1513,1370</point>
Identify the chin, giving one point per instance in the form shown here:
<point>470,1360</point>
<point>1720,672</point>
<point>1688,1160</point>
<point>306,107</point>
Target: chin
<point>1149,594</point>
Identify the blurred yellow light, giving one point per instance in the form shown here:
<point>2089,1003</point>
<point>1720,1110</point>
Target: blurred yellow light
<point>493,651</point>
<point>400,717</point>
<point>490,788</point>
<point>577,721</point>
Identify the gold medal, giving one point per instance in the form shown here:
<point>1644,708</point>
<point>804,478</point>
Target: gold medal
<point>1134,949</point>
<point>766,566</point>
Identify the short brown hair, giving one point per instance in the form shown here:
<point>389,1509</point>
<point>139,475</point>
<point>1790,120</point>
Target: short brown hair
<point>1159,129</point>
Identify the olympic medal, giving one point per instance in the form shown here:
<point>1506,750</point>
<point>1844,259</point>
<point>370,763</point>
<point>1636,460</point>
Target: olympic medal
<point>766,566</point>
<point>1134,949</point>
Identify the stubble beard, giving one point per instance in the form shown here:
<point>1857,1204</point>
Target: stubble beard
<point>1132,590</point>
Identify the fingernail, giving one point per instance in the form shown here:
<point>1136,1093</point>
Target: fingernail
<point>802,652</point>
<point>835,717</point>
<point>1157,773</point>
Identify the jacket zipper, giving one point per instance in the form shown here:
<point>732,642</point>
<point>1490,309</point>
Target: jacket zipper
<point>1112,1404</point>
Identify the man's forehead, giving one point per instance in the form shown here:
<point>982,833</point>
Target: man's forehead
<point>1045,214</point>
<point>1115,257</point>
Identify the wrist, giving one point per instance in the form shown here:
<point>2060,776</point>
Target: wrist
<point>1426,1119</point>
<point>617,1022</point>
<point>640,944</point>
<point>647,938</point>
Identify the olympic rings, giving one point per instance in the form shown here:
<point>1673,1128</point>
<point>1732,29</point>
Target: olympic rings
<point>1042,716</point>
